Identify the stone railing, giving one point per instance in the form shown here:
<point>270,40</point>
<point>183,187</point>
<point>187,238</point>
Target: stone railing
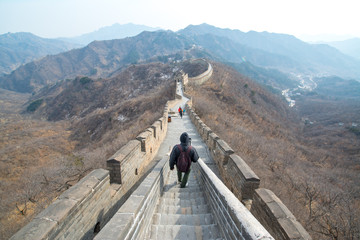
<point>76,213</point>
<point>244,183</point>
<point>234,219</point>
<point>134,217</point>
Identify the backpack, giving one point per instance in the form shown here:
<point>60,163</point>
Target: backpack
<point>183,162</point>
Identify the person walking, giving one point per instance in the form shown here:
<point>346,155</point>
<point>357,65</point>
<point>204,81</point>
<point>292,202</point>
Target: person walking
<point>182,155</point>
<point>180,112</point>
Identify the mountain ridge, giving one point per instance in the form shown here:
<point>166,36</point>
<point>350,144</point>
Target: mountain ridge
<point>307,56</point>
<point>115,31</point>
<point>98,59</point>
<point>103,58</point>
<point>350,47</point>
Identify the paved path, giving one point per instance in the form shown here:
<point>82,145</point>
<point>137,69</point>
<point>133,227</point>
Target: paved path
<point>179,125</point>
<point>183,213</point>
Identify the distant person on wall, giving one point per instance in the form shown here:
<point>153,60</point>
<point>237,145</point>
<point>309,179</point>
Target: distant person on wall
<point>180,111</point>
<point>182,155</point>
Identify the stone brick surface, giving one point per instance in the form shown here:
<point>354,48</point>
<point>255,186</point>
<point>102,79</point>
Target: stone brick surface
<point>276,217</point>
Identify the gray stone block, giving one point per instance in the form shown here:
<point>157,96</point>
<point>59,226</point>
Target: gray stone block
<point>38,228</point>
<point>100,174</point>
<point>293,229</point>
<point>58,210</point>
<point>132,205</point>
<point>117,228</point>
<point>245,170</point>
<point>77,192</point>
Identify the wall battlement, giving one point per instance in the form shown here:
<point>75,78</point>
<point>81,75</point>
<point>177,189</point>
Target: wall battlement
<point>244,183</point>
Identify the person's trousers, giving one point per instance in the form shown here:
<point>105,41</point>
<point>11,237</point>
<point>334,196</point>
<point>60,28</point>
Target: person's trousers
<point>183,179</point>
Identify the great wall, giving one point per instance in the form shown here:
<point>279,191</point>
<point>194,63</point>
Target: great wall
<point>137,197</point>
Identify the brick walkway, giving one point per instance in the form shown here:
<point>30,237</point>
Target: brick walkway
<point>183,213</point>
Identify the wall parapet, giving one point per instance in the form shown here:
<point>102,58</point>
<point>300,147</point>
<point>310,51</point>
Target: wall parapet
<point>75,213</point>
<point>135,215</point>
<point>276,217</point>
<point>235,219</point>
<point>200,79</point>
<point>244,183</point>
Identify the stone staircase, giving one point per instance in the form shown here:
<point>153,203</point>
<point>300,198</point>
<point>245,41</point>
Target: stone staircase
<point>183,213</point>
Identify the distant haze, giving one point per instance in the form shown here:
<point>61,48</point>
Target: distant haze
<point>70,18</point>
<point>322,38</point>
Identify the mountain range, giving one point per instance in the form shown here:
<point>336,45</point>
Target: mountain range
<point>102,59</point>
<point>281,51</point>
<point>350,47</point>
<point>115,31</point>
<point>20,48</point>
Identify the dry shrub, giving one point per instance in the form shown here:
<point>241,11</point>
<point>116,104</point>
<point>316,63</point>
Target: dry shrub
<point>312,181</point>
<point>41,159</point>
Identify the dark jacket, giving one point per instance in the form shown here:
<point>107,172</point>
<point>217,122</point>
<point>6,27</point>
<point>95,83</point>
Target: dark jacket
<point>175,153</point>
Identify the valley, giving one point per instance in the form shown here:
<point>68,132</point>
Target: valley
<point>306,84</point>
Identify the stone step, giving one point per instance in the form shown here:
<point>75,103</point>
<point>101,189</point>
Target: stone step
<point>184,232</point>
<point>178,189</point>
<point>179,219</point>
<point>194,209</point>
<point>183,202</point>
<point>176,185</point>
<point>190,183</point>
<point>183,194</point>
<point>173,176</point>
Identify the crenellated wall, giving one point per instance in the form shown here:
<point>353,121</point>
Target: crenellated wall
<point>135,215</point>
<point>75,213</point>
<point>244,183</point>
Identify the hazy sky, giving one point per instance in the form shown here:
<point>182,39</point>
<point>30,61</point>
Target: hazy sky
<point>67,18</point>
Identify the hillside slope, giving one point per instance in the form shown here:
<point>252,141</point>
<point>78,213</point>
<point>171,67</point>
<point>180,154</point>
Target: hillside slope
<point>312,168</point>
<point>91,118</point>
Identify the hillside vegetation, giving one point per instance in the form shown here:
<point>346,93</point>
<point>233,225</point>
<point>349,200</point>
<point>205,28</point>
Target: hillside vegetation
<point>311,173</point>
<point>78,124</point>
